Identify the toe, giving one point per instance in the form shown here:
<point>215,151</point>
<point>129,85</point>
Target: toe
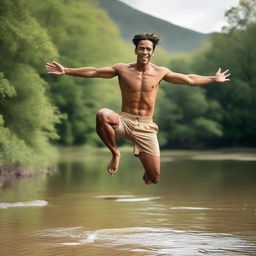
<point>114,171</point>
<point>110,171</point>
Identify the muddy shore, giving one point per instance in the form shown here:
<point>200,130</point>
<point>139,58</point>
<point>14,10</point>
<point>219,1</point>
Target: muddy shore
<point>9,175</point>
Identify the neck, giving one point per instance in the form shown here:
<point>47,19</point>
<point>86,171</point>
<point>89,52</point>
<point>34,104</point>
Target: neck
<point>142,67</point>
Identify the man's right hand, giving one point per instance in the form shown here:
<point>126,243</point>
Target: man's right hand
<point>55,68</point>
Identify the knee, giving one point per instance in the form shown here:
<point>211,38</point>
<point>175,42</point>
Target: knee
<point>101,115</point>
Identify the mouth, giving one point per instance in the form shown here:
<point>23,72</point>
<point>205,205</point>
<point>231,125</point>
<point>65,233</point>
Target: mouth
<point>144,58</point>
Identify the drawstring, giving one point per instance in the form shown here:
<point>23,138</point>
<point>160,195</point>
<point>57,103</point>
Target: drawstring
<point>138,119</point>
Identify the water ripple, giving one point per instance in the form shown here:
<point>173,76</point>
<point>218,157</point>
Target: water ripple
<point>156,241</point>
<point>127,198</point>
<point>36,203</point>
<point>189,208</point>
<point>141,199</point>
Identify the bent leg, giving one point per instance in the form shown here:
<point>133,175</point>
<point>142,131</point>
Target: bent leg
<point>106,121</point>
<point>151,165</point>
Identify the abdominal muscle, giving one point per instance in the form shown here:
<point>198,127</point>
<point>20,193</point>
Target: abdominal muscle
<point>141,104</point>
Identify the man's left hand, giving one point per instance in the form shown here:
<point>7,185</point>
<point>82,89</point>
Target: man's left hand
<point>222,77</point>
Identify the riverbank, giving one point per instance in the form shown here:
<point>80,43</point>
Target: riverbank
<point>9,175</point>
<point>85,152</point>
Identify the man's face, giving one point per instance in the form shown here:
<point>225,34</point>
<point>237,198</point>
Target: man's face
<point>144,51</point>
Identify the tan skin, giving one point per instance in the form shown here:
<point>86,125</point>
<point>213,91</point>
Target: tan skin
<point>139,83</point>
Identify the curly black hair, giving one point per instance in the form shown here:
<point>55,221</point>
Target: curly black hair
<point>146,36</point>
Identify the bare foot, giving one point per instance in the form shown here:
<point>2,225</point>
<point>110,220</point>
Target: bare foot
<point>113,164</point>
<point>146,179</point>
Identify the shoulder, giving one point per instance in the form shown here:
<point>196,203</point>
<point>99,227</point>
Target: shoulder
<point>163,71</point>
<point>120,66</point>
<point>123,67</point>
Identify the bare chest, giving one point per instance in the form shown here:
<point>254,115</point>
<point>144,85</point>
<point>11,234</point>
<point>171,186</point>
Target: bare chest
<point>138,82</point>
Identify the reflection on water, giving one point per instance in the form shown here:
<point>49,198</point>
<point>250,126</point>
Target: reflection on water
<point>154,241</point>
<point>36,203</point>
<point>205,204</point>
<point>127,198</point>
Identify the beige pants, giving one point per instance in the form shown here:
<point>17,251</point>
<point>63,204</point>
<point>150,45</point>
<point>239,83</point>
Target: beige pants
<point>142,131</point>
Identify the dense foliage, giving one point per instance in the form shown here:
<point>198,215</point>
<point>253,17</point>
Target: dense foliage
<point>217,114</point>
<point>27,116</point>
<point>84,36</point>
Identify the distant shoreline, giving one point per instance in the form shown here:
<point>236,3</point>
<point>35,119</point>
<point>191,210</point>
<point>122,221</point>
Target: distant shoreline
<point>9,175</point>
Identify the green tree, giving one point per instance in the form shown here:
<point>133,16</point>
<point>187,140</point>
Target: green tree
<point>84,36</point>
<point>27,117</point>
<point>234,49</point>
<point>186,116</point>
<point>240,17</point>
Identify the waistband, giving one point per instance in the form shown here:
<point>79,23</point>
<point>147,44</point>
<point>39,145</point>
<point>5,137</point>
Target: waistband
<point>136,117</point>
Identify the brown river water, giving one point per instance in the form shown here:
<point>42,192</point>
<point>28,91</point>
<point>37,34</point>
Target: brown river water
<point>205,204</point>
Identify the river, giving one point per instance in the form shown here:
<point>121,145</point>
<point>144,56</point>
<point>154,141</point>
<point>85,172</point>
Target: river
<point>205,204</point>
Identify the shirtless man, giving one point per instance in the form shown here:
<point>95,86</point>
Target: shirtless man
<point>139,83</point>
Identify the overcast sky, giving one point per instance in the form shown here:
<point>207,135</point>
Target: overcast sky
<point>200,15</point>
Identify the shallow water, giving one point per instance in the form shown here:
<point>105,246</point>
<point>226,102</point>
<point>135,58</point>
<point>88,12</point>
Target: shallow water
<point>205,204</point>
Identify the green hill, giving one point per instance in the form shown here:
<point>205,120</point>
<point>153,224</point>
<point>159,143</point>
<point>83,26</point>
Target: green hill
<point>131,21</point>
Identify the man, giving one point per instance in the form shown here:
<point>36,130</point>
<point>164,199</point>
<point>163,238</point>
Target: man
<point>139,83</point>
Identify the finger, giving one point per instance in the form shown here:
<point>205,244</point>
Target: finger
<point>56,63</point>
<point>219,70</point>
<point>227,75</point>
<point>226,71</point>
<point>54,73</point>
<point>227,80</point>
<point>49,66</point>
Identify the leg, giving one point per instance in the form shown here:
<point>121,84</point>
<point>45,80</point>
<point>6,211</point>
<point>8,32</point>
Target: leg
<point>106,121</point>
<point>151,165</point>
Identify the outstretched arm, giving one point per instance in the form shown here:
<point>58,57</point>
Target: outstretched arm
<point>88,72</point>
<point>192,79</point>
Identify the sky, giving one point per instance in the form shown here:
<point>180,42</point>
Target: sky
<point>200,15</point>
